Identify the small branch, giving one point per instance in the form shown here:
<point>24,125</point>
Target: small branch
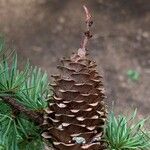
<point>87,34</point>
<point>16,106</point>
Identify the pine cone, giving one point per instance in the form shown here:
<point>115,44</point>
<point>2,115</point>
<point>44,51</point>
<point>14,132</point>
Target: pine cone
<point>76,117</point>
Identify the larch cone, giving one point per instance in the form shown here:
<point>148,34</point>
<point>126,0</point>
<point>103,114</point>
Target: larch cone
<point>76,117</point>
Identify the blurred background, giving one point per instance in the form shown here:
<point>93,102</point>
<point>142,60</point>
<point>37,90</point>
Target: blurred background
<point>46,30</point>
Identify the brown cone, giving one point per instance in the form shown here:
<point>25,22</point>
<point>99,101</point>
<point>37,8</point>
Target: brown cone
<point>76,117</point>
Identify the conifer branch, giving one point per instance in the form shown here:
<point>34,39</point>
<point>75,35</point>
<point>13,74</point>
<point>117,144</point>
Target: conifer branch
<point>87,34</point>
<point>19,108</point>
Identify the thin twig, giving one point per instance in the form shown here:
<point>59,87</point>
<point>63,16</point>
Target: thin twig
<point>34,116</point>
<point>87,34</point>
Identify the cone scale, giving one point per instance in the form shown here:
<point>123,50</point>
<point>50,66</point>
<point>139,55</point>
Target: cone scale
<point>76,117</point>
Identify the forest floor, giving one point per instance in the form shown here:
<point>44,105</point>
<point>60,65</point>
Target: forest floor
<point>46,30</point>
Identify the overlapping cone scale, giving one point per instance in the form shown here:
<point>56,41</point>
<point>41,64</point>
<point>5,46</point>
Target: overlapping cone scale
<point>77,114</point>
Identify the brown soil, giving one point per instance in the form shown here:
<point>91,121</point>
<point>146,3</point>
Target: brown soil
<point>46,30</point>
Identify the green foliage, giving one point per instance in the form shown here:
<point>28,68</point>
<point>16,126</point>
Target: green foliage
<point>30,88</point>
<point>35,91</point>
<point>123,133</point>
<point>11,79</point>
<point>17,133</point>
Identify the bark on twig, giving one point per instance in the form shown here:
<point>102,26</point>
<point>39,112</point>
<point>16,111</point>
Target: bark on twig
<point>87,34</point>
<point>34,116</point>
